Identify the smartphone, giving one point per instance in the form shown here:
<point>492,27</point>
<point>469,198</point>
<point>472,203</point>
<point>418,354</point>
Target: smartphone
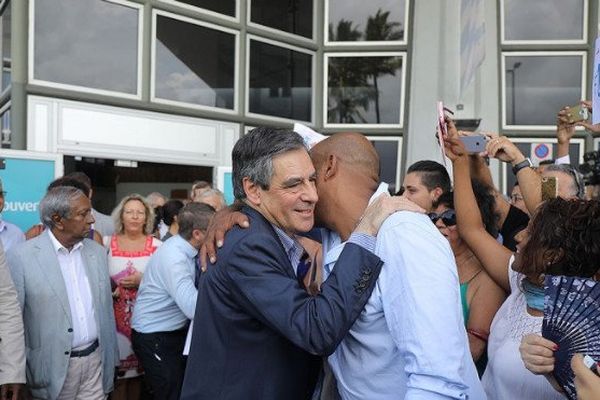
<point>578,113</point>
<point>549,188</point>
<point>474,144</point>
<point>443,128</point>
<point>591,364</point>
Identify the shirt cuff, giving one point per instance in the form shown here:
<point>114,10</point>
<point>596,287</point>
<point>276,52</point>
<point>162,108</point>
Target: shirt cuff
<point>363,240</point>
<point>563,160</point>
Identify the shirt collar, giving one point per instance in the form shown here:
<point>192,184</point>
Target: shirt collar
<point>58,246</point>
<point>292,248</point>
<point>189,250</point>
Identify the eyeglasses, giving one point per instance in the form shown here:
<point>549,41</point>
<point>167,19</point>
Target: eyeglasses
<point>448,217</point>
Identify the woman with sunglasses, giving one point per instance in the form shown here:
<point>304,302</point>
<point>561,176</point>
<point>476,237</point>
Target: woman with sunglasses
<point>481,297</point>
<point>552,243</point>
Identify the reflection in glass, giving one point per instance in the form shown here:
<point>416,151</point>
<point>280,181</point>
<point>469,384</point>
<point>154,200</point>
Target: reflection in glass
<point>5,133</point>
<point>537,87</point>
<point>543,19</point>
<point>199,71</point>
<point>359,20</point>
<point>294,16</point>
<point>226,7</point>
<point>364,90</point>
<point>89,43</point>
<point>280,82</point>
<point>388,161</point>
<point>6,49</point>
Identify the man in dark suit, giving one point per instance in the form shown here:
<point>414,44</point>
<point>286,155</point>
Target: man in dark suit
<point>257,333</point>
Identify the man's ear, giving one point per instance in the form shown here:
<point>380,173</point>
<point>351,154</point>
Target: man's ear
<point>58,224</point>
<point>331,167</point>
<point>436,193</point>
<point>198,235</point>
<point>252,191</point>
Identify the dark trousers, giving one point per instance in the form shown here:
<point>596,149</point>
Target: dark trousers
<point>160,354</point>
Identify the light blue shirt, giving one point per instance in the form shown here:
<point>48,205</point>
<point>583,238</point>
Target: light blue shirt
<point>10,234</point>
<point>410,341</point>
<point>166,299</point>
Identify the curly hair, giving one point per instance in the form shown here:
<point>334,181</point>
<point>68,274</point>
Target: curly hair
<point>486,202</point>
<point>564,239</point>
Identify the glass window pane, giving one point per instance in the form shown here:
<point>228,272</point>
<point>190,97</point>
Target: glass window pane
<point>295,16</point>
<point>226,7</point>
<point>388,161</point>
<point>6,49</point>
<point>199,71</point>
<point>280,82</point>
<point>364,90</point>
<point>5,133</point>
<point>537,87</point>
<point>89,43</point>
<point>543,19</point>
<point>359,20</point>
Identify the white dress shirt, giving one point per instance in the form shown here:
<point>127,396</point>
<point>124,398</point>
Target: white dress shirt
<point>81,304</point>
<point>409,342</point>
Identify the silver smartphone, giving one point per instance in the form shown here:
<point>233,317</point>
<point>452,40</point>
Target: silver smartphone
<point>474,144</point>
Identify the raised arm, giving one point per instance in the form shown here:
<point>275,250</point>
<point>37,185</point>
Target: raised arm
<point>493,256</point>
<point>530,181</point>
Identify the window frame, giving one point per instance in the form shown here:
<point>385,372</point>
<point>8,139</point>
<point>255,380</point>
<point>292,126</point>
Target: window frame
<point>57,85</point>
<point>205,11</point>
<point>328,55</point>
<point>4,5</point>
<point>284,34</point>
<point>313,88</point>
<point>542,53</point>
<point>236,75</point>
<point>327,43</point>
<point>584,40</point>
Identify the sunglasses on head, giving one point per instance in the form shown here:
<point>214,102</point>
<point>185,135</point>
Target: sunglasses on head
<point>448,217</point>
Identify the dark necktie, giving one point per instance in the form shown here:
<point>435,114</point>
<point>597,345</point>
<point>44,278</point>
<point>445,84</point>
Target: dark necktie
<point>197,271</point>
<point>303,268</point>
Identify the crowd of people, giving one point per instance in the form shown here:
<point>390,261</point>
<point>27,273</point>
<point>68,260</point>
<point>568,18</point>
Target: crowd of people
<point>314,284</point>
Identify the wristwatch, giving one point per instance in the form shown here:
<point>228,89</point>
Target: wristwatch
<point>526,163</point>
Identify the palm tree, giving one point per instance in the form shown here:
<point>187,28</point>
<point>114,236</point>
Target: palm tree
<point>379,29</point>
<point>348,79</point>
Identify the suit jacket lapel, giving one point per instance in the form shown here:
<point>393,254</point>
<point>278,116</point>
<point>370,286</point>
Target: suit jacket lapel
<point>48,265</point>
<point>259,218</point>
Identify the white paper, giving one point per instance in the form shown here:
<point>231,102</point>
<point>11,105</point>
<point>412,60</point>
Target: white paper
<point>310,137</point>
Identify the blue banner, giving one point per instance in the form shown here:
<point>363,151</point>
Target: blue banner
<point>25,181</point>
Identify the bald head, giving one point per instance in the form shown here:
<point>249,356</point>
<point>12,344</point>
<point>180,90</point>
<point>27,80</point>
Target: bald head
<point>350,148</point>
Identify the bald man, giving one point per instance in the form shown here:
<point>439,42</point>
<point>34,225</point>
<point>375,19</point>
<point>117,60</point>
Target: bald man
<point>409,341</point>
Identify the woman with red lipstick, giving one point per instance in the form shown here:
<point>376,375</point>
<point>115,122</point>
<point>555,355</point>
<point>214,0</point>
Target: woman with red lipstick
<point>551,244</point>
<point>129,250</point>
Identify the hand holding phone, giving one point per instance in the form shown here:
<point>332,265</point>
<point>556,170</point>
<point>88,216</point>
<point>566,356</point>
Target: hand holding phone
<point>474,144</point>
<point>577,113</point>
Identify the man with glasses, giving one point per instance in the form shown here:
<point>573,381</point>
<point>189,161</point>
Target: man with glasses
<point>10,234</point>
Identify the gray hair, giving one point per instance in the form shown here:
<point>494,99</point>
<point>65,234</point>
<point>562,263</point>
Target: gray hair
<point>212,192</point>
<point>152,197</point>
<point>194,216</point>
<point>57,201</point>
<point>117,214</point>
<point>252,156</point>
<point>577,185</point>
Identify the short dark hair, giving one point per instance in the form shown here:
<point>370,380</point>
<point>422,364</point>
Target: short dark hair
<point>252,156</point>
<point>194,216</point>
<point>80,176</point>
<point>169,210</point>
<point>71,182</point>
<point>433,175</point>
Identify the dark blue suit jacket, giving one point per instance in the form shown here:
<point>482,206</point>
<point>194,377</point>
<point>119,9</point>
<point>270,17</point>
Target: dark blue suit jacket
<point>257,333</point>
